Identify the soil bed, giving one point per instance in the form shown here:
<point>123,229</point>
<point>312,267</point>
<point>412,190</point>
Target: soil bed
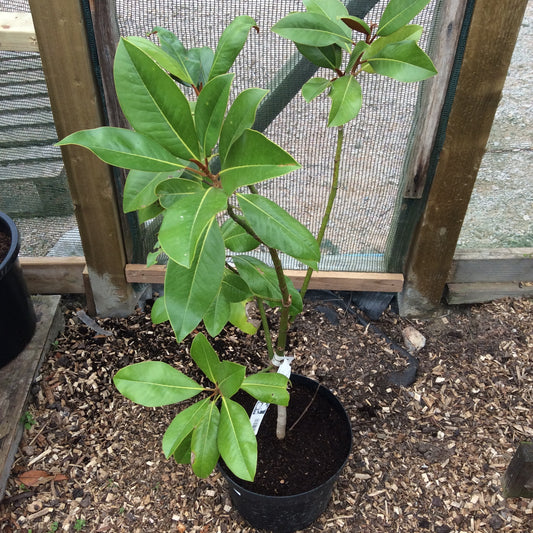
<point>426,457</point>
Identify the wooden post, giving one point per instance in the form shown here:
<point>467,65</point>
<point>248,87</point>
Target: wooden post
<point>76,105</point>
<point>492,36</point>
<point>518,478</point>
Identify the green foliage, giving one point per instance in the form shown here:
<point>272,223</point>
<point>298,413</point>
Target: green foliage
<point>389,48</point>
<point>213,426</point>
<point>79,524</point>
<point>27,420</point>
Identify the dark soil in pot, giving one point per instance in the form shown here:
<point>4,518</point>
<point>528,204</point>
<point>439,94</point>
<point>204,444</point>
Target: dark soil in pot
<point>5,243</point>
<point>316,445</point>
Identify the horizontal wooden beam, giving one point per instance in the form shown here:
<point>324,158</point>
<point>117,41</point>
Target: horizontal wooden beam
<point>17,33</point>
<point>477,292</point>
<point>492,265</point>
<point>340,281</point>
<point>54,275</point>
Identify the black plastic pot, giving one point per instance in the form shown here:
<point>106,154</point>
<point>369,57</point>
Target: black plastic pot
<point>17,315</point>
<point>285,514</point>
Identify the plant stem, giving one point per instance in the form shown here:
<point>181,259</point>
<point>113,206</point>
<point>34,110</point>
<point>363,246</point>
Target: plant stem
<point>285,303</point>
<point>329,205</point>
<point>266,328</point>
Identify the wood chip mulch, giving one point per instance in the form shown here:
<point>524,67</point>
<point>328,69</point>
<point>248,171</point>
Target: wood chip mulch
<point>427,457</point>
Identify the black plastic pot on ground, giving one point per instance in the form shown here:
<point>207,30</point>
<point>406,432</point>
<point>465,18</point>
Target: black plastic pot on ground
<point>288,513</point>
<point>17,315</point>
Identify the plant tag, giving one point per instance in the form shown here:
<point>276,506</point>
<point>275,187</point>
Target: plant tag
<point>260,408</point>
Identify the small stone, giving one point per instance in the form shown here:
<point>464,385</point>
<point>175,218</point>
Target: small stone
<point>413,339</point>
<point>496,522</point>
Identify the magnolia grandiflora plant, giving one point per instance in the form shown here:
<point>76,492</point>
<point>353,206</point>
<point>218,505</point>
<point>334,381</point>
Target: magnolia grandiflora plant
<point>195,163</point>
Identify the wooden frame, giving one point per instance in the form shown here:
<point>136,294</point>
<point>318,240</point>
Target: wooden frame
<point>17,33</point>
<point>76,105</point>
<point>341,281</point>
<point>491,39</point>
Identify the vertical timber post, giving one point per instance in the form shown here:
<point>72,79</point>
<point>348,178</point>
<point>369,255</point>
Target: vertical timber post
<point>491,39</point>
<point>76,104</point>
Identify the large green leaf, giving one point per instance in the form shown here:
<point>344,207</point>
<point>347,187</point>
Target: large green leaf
<point>185,220</point>
<point>236,238</point>
<point>229,377</point>
<point>253,158</point>
<point>170,191</point>
<point>241,116</point>
<point>159,311</point>
<point>218,314</point>
<point>198,62</point>
<point>230,44</point>
<point>204,356</point>
<point>398,13</point>
<point>404,61</point>
<point>204,444</point>
<point>171,62</point>
<point>312,29</point>
<point>236,440</point>
<point>239,318</point>
<point>278,229</point>
<point>154,383</point>
<point>190,291</point>
<point>346,100</point>
<point>260,278</point>
<point>139,190</point>
<point>356,53</point>
<point>153,103</point>
<point>210,110</point>
<point>182,426</point>
<point>125,148</point>
<point>234,288</point>
<point>267,387</point>
<point>411,32</point>
<point>332,9</point>
<point>314,87</point>
<point>182,453</point>
<point>323,56</point>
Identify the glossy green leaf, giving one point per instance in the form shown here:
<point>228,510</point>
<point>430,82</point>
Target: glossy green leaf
<point>357,24</point>
<point>190,291</point>
<point>236,440</point>
<point>230,44</point>
<point>260,278</point>
<point>332,9</point>
<point>356,53</point>
<point>404,61</point>
<point>296,300</point>
<point>210,110</point>
<point>153,103</point>
<point>323,56</point>
<point>236,237</point>
<point>125,148</point>
<point>148,213</point>
<point>239,318</point>
<point>172,63</point>
<point>181,427</point>
<point>312,29</point>
<point>240,117</point>
<point>267,387</point>
<point>218,314</point>
<point>278,229</point>
<point>346,100</point>
<point>204,444</point>
<point>398,13</point>
<point>154,383</point>
<point>314,87</point>
<point>139,190</point>
<point>253,158</point>
<point>182,453</point>
<point>229,377</point>
<point>185,220</point>
<point>204,356</point>
<point>173,190</point>
<point>198,62</point>
<point>411,32</point>
<point>152,257</point>
<point>235,288</point>
<point>159,311</point>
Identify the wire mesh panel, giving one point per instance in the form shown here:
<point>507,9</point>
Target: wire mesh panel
<point>33,184</point>
<point>375,143</point>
